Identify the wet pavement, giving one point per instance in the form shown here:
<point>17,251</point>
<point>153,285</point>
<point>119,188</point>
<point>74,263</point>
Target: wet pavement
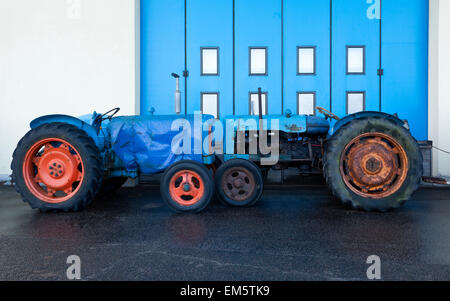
<point>294,233</point>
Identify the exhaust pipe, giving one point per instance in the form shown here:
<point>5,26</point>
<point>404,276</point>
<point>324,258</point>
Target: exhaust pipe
<point>177,94</point>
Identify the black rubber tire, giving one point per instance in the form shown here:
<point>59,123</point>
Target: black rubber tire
<point>265,174</point>
<point>111,185</point>
<point>336,145</point>
<point>86,148</point>
<point>206,178</point>
<point>253,169</point>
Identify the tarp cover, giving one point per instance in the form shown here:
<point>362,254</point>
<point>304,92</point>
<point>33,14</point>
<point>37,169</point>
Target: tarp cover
<point>144,143</point>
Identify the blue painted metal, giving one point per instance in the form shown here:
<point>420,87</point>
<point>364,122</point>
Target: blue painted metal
<point>306,23</point>
<point>352,27</point>
<point>214,20</point>
<point>162,52</point>
<point>282,25</point>
<point>258,23</point>
<point>405,62</point>
<point>302,124</point>
<point>90,130</point>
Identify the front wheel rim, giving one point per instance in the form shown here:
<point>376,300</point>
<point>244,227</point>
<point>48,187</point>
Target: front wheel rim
<point>238,184</point>
<point>374,165</point>
<point>53,170</point>
<point>186,187</point>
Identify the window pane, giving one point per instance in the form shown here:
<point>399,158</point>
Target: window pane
<point>254,108</point>
<point>210,61</point>
<point>258,61</point>
<point>210,104</point>
<point>355,102</point>
<point>355,60</point>
<point>306,60</point>
<point>306,103</point>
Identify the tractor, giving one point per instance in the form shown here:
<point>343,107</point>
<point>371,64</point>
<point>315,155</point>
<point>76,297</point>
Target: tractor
<point>370,160</point>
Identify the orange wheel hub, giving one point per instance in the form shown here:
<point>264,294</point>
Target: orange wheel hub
<point>374,165</point>
<point>53,170</point>
<point>186,187</point>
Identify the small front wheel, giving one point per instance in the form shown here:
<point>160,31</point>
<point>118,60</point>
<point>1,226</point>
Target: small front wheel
<point>239,183</point>
<point>187,187</point>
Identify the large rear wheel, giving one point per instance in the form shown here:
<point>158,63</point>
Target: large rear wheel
<point>57,167</point>
<point>373,164</point>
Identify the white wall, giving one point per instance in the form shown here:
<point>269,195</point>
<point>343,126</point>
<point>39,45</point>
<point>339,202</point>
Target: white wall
<point>55,58</point>
<point>439,84</point>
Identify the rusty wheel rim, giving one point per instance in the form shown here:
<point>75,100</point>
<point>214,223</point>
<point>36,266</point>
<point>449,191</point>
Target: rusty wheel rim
<point>238,184</point>
<point>374,165</point>
<point>53,170</point>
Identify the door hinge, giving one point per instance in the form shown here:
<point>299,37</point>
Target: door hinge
<point>380,72</point>
<point>185,73</point>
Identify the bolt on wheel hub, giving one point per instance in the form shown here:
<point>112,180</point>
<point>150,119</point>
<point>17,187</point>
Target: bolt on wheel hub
<point>373,165</point>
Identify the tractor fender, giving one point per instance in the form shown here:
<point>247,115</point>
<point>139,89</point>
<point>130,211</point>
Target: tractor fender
<point>360,115</point>
<point>90,131</point>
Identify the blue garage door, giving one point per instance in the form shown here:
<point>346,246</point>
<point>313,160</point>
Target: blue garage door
<point>343,55</point>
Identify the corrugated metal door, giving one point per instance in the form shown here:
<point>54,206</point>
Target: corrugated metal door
<point>344,55</point>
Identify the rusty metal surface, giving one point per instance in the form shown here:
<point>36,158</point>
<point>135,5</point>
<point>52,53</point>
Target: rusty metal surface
<point>238,184</point>
<point>431,180</point>
<point>374,165</point>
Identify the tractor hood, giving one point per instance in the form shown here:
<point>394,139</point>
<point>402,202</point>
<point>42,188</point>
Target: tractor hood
<point>303,124</point>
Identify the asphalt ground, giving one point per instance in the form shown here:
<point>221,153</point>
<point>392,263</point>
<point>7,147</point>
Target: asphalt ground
<point>294,233</point>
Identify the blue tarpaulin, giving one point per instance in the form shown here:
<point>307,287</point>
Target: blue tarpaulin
<point>145,143</point>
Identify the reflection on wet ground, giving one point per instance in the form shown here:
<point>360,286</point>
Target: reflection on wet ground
<point>292,234</point>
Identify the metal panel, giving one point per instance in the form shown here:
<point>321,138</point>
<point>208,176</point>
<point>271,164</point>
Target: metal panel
<point>210,24</point>
<point>351,26</point>
<point>405,62</point>
<point>258,24</point>
<point>282,26</point>
<point>306,23</point>
<point>162,52</point>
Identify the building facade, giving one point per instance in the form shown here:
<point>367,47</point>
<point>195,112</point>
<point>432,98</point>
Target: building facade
<point>77,56</point>
<point>343,55</point>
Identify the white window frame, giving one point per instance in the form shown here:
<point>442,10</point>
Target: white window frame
<point>202,95</point>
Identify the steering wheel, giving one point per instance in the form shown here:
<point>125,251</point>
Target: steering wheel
<point>110,114</point>
<point>328,114</point>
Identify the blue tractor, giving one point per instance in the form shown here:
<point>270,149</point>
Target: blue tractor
<point>369,159</point>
